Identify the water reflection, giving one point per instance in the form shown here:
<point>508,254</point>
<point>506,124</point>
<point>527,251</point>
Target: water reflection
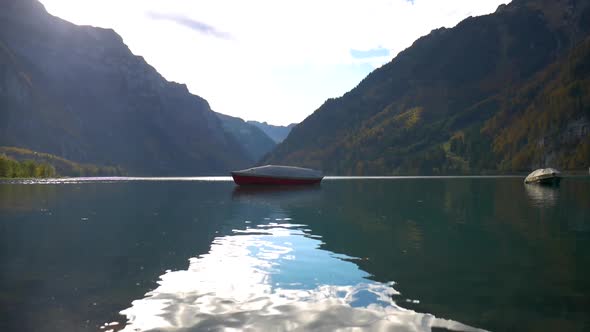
<point>279,196</point>
<point>476,250</point>
<point>274,276</point>
<point>542,195</point>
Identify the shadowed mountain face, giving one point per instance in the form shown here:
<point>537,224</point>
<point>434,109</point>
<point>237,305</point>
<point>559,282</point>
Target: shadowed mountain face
<point>277,133</point>
<point>79,93</point>
<point>252,139</point>
<point>503,92</point>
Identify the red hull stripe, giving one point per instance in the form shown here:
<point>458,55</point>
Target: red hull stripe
<point>246,180</point>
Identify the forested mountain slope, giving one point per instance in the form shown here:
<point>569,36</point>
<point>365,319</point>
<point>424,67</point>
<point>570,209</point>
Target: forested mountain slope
<point>503,92</point>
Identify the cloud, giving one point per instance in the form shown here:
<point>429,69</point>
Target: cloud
<point>189,23</point>
<point>269,60</point>
<point>372,53</point>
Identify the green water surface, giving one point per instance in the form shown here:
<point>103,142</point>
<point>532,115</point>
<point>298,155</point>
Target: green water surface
<point>400,254</point>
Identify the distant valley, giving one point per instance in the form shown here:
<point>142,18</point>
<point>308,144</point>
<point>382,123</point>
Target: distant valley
<point>255,141</point>
<point>276,133</point>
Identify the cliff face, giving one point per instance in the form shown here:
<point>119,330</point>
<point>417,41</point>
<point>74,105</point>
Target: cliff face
<point>78,92</point>
<point>431,109</point>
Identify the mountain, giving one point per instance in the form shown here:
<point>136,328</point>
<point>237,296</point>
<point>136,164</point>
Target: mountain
<point>79,93</point>
<point>254,141</point>
<point>12,168</point>
<point>503,92</point>
<point>277,133</point>
<point>47,165</point>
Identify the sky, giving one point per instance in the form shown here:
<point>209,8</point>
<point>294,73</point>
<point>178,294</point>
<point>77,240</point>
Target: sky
<point>269,60</point>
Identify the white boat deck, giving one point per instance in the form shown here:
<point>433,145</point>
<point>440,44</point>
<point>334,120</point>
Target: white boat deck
<point>542,174</point>
<point>281,172</point>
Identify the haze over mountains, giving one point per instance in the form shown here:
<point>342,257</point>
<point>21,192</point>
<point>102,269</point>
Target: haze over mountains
<point>503,92</point>
<point>276,133</point>
<point>254,140</point>
<point>79,93</point>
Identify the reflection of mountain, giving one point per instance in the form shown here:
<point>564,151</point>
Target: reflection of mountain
<point>463,247</point>
<point>93,247</point>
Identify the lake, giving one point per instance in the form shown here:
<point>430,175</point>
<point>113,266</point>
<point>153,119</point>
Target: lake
<point>191,254</point>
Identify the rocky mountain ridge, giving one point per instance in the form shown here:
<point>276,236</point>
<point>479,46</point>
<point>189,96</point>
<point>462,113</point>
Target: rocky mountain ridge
<point>78,92</point>
<point>496,93</point>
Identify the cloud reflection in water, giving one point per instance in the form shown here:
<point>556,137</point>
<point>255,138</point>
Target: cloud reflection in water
<point>274,277</point>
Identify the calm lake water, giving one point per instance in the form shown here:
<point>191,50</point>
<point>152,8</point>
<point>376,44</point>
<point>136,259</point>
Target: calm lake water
<point>401,254</point>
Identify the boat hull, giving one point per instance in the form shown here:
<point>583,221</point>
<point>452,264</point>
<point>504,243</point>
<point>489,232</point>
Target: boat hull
<point>243,180</point>
<point>545,181</point>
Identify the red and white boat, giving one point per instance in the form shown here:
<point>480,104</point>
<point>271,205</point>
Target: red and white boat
<point>277,175</point>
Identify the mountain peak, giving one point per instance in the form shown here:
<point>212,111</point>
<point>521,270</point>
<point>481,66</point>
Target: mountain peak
<point>78,92</point>
<point>461,101</point>
<point>20,7</point>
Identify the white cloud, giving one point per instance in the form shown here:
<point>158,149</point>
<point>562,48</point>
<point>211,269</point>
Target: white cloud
<point>283,58</point>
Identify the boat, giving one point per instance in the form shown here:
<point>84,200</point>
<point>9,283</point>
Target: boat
<point>544,176</point>
<point>277,175</point>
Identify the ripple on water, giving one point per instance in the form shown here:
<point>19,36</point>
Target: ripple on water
<point>274,277</point>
